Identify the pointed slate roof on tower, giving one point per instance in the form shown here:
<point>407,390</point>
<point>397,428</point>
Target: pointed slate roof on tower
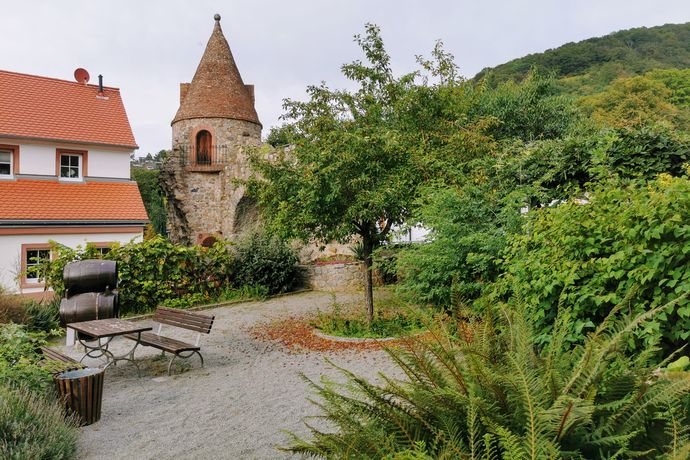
<point>217,89</point>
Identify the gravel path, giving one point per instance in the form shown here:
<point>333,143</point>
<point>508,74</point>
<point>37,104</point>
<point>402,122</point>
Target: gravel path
<point>235,407</point>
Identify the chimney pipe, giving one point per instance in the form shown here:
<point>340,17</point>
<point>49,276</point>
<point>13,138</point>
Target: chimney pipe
<point>100,84</point>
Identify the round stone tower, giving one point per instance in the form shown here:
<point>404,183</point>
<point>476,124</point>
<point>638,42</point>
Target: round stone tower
<point>214,124</point>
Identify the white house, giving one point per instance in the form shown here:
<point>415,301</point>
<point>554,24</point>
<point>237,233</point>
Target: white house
<point>65,148</point>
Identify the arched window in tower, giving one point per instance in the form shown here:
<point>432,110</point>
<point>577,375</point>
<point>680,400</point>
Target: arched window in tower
<point>203,147</point>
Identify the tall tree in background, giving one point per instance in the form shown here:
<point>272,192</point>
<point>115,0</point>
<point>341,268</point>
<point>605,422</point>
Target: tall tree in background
<point>357,158</point>
<point>147,180</point>
<point>347,173</point>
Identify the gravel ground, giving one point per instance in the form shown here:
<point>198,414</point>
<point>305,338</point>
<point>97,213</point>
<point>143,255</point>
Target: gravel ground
<point>235,407</point>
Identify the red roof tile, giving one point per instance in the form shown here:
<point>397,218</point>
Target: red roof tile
<point>44,200</point>
<point>48,108</point>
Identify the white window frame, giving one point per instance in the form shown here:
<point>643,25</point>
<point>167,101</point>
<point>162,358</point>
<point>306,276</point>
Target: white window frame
<point>36,280</point>
<point>11,174</point>
<point>80,176</point>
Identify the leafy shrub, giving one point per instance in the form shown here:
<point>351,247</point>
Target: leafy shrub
<point>468,230</point>
<point>499,397</point>
<point>386,262</point>
<point>587,255</point>
<point>19,357</point>
<point>157,272</point>
<point>264,260</point>
<point>645,152</point>
<point>32,427</point>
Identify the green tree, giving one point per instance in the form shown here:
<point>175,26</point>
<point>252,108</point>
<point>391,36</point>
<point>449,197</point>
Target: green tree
<point>347,173</point>
<point>357,158</point>
<point>631,102</point>
<point>529,110</point>
<point>152,196</point>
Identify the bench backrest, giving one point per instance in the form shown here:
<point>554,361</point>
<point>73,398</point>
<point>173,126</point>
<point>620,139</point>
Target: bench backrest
<point>193,321</point>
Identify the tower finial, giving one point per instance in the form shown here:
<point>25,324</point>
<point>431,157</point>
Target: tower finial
<point>216,17</point>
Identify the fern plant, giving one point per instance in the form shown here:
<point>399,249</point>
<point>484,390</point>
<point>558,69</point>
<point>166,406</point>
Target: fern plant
<point>499,397</point>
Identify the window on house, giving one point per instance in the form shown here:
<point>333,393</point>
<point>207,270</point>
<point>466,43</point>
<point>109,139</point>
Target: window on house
<point>203,147</point>
<point>101,249</point>
<point>70,166</point>
<point>35,269</point>
<point>6,165</point>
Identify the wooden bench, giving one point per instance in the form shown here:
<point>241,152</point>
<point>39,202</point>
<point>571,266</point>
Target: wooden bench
<point>53,355</point>
<point>192,321</point>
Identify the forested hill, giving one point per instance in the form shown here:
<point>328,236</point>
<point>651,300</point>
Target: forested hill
<point>627,52</point>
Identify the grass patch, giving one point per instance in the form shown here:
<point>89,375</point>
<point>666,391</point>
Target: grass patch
<point>392,318</point>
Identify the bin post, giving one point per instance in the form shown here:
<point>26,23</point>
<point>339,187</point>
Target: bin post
<point>81,392</point>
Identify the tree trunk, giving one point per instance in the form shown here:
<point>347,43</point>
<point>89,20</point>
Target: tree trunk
<point>368,247</point>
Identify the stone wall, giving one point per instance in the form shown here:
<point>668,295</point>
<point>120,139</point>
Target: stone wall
<point>204,200</point>
<point>347,276</point>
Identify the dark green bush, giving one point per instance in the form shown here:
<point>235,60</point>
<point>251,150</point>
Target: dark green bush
<point>32,427</point>
<point>158,272</point>
<point>587,254</point>
<point>386,262</point>
<point>264,260</point>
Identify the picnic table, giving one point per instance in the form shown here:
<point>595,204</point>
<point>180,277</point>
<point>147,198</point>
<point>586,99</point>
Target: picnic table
<point>95,336</point>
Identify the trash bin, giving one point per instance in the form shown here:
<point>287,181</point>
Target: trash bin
<point>81,392</point>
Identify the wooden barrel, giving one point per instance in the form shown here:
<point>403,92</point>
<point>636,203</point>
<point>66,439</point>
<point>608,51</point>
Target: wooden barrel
<point>88,306</point>
<point>91,275</point>
<point>81,392</point>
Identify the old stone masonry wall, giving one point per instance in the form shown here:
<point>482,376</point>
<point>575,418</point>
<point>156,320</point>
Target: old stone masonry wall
<point>347,276</point>
<point>203,199</point>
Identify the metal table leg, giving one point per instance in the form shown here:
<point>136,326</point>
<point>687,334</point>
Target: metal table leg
<point>102,350</point>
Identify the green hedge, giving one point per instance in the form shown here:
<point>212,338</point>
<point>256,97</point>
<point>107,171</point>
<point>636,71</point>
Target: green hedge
<point>588,255</point>
<point>157,272</point>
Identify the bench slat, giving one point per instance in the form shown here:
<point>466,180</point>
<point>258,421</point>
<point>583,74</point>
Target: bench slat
<point>188,315</point>
<point>150,339</point>
<point>201,322</point>
<point>179,311</point>
<point>184,319</point>
<point>56,355</point>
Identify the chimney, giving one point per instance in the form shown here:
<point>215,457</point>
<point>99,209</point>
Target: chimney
<point>100,85</point>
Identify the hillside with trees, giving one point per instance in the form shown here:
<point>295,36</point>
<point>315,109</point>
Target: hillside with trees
<point>603,59</point>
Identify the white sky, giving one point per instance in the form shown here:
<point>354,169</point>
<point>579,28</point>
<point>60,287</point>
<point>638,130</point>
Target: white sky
<point>147,47</point>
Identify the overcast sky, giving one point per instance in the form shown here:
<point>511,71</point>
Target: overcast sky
<point>147,47</point>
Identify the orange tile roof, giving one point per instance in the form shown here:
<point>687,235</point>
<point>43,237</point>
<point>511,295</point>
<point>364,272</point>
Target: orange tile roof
<point>48,108</point>
<point>45,200</point>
